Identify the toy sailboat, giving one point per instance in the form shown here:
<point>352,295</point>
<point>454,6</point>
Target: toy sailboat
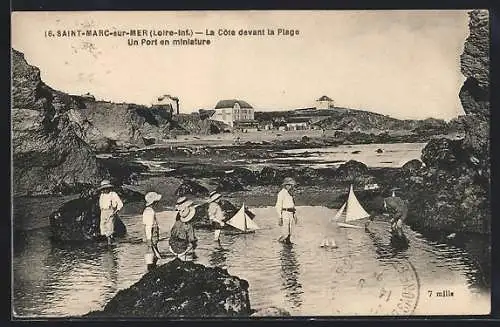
<point>351,210</point>
<point>242,221</point>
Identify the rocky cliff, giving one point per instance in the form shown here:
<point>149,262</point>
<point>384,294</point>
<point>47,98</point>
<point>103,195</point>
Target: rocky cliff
<point>49,151</point>
<point>350,120</point>
<point>452,191</point>
<point>127,124</point>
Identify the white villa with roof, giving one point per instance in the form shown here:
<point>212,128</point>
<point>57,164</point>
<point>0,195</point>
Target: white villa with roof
<point>231,111</point>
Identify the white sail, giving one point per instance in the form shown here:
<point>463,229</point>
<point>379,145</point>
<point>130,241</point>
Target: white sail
<point>340,212</point>
<point>354,209</point>
<point>242,222</point>
<point>351,210</point>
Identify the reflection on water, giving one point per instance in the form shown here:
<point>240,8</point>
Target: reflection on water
<point>290,275</point>
<point>218,257</point>
<point>303,278</point>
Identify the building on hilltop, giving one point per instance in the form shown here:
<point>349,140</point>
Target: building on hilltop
<point>324,103</point>
<point>231,111</point>
<point>169,102</point>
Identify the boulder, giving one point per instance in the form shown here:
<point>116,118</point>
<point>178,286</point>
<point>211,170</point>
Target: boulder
<point>271,176</point>
<point>180,289</point>
<point>351,170</point>
<point>78,220</point>
<point>453,190</point>
<point>228,184</point>
<point>308,176</point>
<point>245,176</point>
<point>443,153</point>
<point>191,188</point>
<point>412,165</point>
<point>121,171</point>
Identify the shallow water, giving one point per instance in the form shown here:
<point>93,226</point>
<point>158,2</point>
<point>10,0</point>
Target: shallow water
<point>364,275</point>
<point>392,155</point>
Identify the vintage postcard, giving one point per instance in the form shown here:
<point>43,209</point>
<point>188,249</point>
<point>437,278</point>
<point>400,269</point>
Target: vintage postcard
<point>250,163</point>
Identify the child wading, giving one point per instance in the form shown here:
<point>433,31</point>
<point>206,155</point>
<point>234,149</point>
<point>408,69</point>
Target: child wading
<point>182,238</point>
<point>398,209</point>
<point>109,203</point>
<point>151,229</point>
<point>285,207</point>
<point>216,214</point>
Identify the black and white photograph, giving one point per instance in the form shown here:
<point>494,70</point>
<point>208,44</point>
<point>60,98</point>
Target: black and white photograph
<point>250,163</point>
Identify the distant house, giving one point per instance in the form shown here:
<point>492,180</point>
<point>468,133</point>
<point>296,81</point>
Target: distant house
<point>231,111</point>
<point>246,125</point>
<point>297,123</point>
<point>324,103</point>
<point>167,102</point>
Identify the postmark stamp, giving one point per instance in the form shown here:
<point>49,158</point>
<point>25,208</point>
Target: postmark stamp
<point>397,296</point>
<point>393,289</point>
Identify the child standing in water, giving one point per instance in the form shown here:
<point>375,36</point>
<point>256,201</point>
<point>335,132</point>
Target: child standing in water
<point>151,229</point>
<point>182,238</point>
<point>109,204</point>
<point>216,214</point>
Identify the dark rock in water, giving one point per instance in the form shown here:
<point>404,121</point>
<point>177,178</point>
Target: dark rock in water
<point>271,312</point>
<point>351,170</point>
<point>453,192</point>
<point>379,151</point>
<point>399,241</point>
<point>122,171</point>
<point>269,175</point>
<point>245,176</point>
<point>191,187</point>
<point>228,184</point>
<point>180,289</point>
<point>412,165</point>
<point>356,152</point>
<point>49,150</point>
<point>443,153</point>
<point>149,140</point>
<point>78,220</point>
<point>309,176</point>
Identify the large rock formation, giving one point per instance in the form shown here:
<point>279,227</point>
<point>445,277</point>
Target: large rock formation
<point>127,124</point>
<point>452,191</point>
<point>181,289</point>
<point>78,220</point>
<point>49,152</point>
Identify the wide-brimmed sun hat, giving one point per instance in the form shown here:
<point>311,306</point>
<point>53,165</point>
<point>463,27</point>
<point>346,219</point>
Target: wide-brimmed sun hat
<point>187,213</point>
<point>182,202</point>
<point>289,181</point>
<point>214,196</point>
<point>152,197</point>
<point>105,184</point>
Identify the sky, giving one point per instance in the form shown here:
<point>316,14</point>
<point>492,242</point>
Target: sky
<point>405,64</point>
